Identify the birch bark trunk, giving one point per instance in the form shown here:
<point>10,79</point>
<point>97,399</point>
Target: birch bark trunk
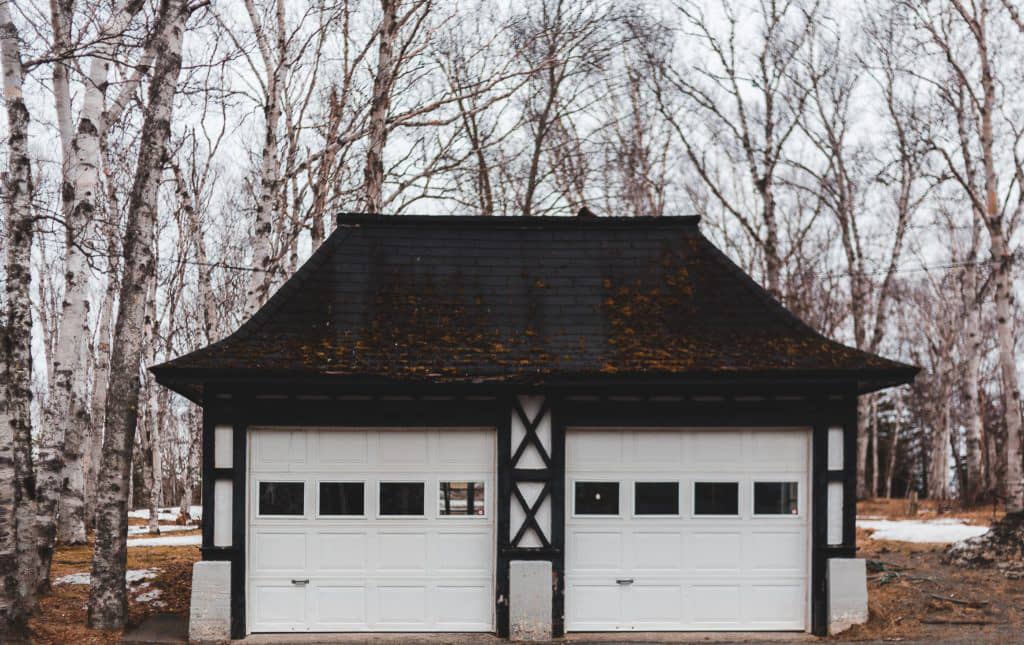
<point>972,401</point>
<point>101,376</point>
<point>61,472</point>
<point>380,104</point>
<point>12,613</point>
<point>108,600</point>
<point>262,276</point>
<point>938,467</point>
<point>1002,277</point>
<point>17,203</point>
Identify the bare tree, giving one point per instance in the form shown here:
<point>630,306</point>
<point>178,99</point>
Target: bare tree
<point>108,601</point>
<point>960,37</point>
<point>19,577</point>
<point>746,104</point>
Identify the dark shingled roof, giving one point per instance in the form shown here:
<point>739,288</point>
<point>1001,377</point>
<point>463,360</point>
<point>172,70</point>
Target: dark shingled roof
<point>531,301</point>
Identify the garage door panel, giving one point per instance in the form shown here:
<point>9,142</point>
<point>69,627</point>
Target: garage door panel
<point>592,450</point>
<point>596,550</point>
<point>402,447</point>
<point>463,552</point>
<point>778,606</point>
<point>779,451</point>
<point>661,552</point>
<point>280,551</point>
<point>459,448</point>
<point>401,605</point>
<point>716,605</point>
<point>282,450</point>
<point>341,551</point>
<point>462,606</point>
<point>716,550</point>
<point>658,448</point>
<point>402,551</point>
<point>341,448</point>
<point>280,606</point>
<point>650,605</point>
<point>711,450</point>
<point>781,552</point>
<point>599,604</point>
<point>340,606</point>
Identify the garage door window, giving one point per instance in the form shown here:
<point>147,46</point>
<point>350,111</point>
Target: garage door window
<point>460,499</point>
<point>341,499</point>
<point>282,498</point>
<point>401,498</point>
<point>775,498</point>
<point>597,498</point>
<point>656,498</point>
<point>716,498</point>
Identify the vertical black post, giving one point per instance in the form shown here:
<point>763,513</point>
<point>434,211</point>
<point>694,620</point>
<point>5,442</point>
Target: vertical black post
<point>504,502</point>
<point>557,518</point>
<point>238,494</point>
<point>819,520</point>
<point>208,478</point>
<point>847,416</point>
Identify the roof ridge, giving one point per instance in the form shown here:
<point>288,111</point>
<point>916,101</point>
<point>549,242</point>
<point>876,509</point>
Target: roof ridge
<point>345,220</point>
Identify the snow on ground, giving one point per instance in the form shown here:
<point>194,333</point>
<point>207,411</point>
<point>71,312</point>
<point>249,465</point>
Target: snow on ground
<point>131,576</point>
<point>173,540</point>
<point>940,531</point>
<point>166,514</point>
<point>142,529</point>
<point>151,597</point>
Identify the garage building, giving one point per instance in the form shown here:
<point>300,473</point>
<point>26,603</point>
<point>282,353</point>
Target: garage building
<point>524,426</point>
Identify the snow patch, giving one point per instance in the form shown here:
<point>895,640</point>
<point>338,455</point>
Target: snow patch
<point>173,540</point>
<point>939,531</point>
<point>166,514</point>
<point>131,576</point>
<point>164,528</point>
<point>149,596</point>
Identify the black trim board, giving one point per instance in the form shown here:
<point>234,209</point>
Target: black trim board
<point>238,528</point>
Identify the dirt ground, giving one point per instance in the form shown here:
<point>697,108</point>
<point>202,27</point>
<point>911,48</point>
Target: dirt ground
<point>912,594</point>
<point>60,618</point>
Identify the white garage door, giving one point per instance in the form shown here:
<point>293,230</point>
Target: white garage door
<point>371,530</point>
<point>687,530</point>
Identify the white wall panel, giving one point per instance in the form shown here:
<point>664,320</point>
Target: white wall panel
<point>222,504</point>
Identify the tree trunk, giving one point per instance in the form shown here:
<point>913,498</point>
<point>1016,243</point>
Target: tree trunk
<point>380,104</point>
<point>263,262</point>
<point>938,465</point>
<point>972,378</point>
<point>874,447</point>
<point>863,423</point>
<point>108,600</point>
<point>16,198</point>
<point>100,377</point>
<point>147,417</point>
<point>894,445</point>
<point>12,612</point>
<point>1003,279</point>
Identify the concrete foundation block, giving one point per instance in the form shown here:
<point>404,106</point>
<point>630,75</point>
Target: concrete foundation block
<point>210,607</point>
<point>847,593</point>
<point>530,594</point>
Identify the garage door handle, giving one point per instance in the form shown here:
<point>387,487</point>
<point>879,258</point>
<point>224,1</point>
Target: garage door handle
<point>624,581</point>
<point>301,582</point>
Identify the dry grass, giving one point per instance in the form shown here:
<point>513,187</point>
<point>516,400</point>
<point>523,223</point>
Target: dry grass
<point>60,618</point>
<point>896,509</point>
<point>902,598</point>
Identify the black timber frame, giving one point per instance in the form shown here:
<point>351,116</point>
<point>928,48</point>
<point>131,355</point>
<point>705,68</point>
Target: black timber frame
<point>481,406</point>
